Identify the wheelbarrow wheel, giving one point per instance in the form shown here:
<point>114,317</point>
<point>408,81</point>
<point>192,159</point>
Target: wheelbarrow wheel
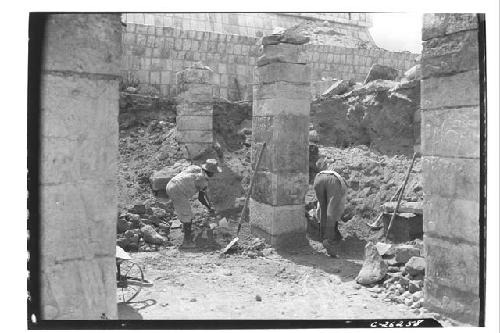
<point>130,280</point>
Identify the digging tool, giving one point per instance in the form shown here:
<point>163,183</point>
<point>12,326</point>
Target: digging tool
<point>400,195</point>
<point>247,198</point>
<point>376,224</point>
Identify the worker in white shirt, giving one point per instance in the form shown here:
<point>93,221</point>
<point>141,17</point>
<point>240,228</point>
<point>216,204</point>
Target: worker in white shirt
<point>181,189</point>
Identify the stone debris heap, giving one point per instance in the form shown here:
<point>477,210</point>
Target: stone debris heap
<point>396,271</point>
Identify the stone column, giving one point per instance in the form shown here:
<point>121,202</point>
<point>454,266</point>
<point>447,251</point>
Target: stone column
<point>450,98</point>
<point>79,154</point>
<point>281,103</point>
<point>195,109</point>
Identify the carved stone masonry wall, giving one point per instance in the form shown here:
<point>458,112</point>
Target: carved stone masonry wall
<point>282,97</point>
<point>450,94</point>
<point>79,154</point>
<point>194,109</point>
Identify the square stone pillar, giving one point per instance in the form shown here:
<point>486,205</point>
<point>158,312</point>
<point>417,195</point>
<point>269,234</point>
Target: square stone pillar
<point>195,109</point>
<point>281,104</point>
<point>79,164</point>
<point>450,103</point>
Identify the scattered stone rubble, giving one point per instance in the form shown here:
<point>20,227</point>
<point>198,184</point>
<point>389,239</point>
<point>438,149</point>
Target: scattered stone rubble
<point>402,280</point>
<point>144,227</point>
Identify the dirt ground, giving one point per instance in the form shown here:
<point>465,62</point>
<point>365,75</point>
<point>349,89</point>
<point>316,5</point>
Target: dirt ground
<point>304,284</point>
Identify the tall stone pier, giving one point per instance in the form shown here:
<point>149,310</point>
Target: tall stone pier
<point>194,109</point>
<point>450,101</point>
<point>281,119</point>
<point>78,170</point>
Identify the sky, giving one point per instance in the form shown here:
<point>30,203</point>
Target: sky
<point>397,31</point>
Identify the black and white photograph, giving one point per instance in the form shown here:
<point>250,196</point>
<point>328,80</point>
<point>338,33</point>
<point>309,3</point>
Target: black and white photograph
<point>221,169</point>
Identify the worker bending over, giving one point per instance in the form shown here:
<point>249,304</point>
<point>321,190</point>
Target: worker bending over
<point>181,189</point>
<point>331,192</point>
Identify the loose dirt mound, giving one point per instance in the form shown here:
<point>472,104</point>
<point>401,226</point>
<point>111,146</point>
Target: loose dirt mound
<point>380,114</point>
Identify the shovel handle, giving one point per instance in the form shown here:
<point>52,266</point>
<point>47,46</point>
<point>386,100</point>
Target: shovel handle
<point>400,195</point>
<point>243,212</point>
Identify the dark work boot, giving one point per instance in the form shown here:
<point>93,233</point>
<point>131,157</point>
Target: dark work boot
<point>188,238</point>
<point>337,235</point>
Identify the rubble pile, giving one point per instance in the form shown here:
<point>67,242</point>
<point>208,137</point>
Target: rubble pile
<point>382,113</point>
<point>144,148</point>
<point>144,227</point>
<point>403,280</point>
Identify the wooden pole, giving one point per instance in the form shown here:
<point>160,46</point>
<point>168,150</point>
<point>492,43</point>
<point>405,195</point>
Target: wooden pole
<point>243,212</point>
<point>400,195</point>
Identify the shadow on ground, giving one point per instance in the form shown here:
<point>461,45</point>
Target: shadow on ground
<point>127,312</point>
<point>130,311</point>
<point>347,264</point>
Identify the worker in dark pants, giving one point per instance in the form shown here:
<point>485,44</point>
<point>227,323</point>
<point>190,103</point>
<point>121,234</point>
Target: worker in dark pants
<point>331,192</point>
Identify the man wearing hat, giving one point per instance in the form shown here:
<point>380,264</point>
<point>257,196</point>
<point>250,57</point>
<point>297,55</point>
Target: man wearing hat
<point>183,186</point>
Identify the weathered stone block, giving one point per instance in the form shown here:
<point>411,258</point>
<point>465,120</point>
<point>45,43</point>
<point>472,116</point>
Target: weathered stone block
<point>280,189</point>
<point>453,265</point>
<point>187,97</point>
<point>195,88</point>
<point>194,109</point>
<point>451,177</point>
<point>277,220</point>
<point>451,302</point>
<point>64,160</point>
<point>282,53</point>
<point>83,289</point>
<point>77,108</point>
<point>414,207</point>
<point>405,227</point>
<point>415,267</point>
<point>202,123</point>
<point>461,89</point>
<point>403,252</point>
<point>289,158</point>
<point>450,54</point>
<point>195,136</point>
<point>443,129</point>
<point>160,179</point>
<point>265,187</point>
<point>338,88</point>
<point>380,72</point>
<point>281,106</point>
<point>282,89</point>
<point>449,217</point>
<point>436,25</point>
<point>291,188</point>
<point>78,221</point>
<point>374,267</point>
<point>86,43</point>
<point>274,72</point>
<point>194,75</point>
<point>287,143</point>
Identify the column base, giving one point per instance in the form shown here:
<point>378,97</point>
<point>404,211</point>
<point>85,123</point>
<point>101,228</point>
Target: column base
<point>281,226</point>
<point>285,241</point>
